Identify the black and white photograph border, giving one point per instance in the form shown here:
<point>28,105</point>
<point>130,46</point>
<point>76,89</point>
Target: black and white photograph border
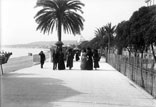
<point>77,53</point>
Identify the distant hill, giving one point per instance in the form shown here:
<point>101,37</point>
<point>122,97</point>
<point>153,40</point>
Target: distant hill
<point>41,44</point>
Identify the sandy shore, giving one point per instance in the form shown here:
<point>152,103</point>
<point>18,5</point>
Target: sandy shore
<point>17,63</point>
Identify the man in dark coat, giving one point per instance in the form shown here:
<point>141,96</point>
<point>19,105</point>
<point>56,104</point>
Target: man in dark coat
<point>42,58</point>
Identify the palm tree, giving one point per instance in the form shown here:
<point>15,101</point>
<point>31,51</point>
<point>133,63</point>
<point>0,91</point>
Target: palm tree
<point>109,32</point>
<point>59,13</point>
<point>101,34</point>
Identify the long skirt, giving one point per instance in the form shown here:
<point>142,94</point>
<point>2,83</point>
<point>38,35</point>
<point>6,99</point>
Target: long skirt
<point>61,65</point>
<point>83,63</point>
<point>70,62</point>
<point>96,64</point>
<point>89,64</point>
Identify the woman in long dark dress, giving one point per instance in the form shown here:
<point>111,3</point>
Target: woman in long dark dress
<point>61,65</point>
<point>89,63</point>
<point>55,59</point>
<point>96,58</point>
<point>70,57</point>
<point>83,60</point>
<point>77,56</point>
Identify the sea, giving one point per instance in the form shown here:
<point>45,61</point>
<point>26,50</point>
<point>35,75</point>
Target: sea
<point>18,52</point>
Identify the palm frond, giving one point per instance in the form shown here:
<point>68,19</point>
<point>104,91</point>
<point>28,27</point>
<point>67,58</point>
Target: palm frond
<point>47,3</point>
<point>100,32</point>
<point>72,23</point>
<point>54,12</point>
<point>75,5</point>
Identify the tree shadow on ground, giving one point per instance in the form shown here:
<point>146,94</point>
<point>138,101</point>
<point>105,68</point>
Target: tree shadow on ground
<point>27,89</point>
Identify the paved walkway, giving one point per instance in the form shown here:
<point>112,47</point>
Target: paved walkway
<point>35,87</point>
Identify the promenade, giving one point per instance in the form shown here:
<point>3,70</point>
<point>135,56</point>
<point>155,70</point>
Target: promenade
<point>105,87</point>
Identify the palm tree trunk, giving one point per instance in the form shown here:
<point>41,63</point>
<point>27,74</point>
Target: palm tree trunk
<point>59,29</point>
<point>108,43</point>
<point>59,43</point>
<point>142,77</point>
<point>108,48</point>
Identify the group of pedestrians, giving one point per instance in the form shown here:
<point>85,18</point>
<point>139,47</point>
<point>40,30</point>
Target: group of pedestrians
<point>59,57</point>
<point>89,59</point>
<point>58,60</point>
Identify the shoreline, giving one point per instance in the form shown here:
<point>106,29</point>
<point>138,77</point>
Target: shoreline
<point>17,63</point>
<point>21,62</point>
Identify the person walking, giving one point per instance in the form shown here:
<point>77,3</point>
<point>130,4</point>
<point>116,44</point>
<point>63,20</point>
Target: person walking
<point>83,60</point>
<point>89,63</point>
<point>42,58</point>
<point>70,58</point>
<point>55,59</point>
<point>77,55</point>
<point>61,65</point>
<point>96,59</point>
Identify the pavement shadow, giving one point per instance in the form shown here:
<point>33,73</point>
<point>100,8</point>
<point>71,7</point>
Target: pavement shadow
<point>18,90</point>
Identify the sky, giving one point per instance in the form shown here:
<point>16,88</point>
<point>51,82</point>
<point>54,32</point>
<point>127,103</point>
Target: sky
<point>18,25</point>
